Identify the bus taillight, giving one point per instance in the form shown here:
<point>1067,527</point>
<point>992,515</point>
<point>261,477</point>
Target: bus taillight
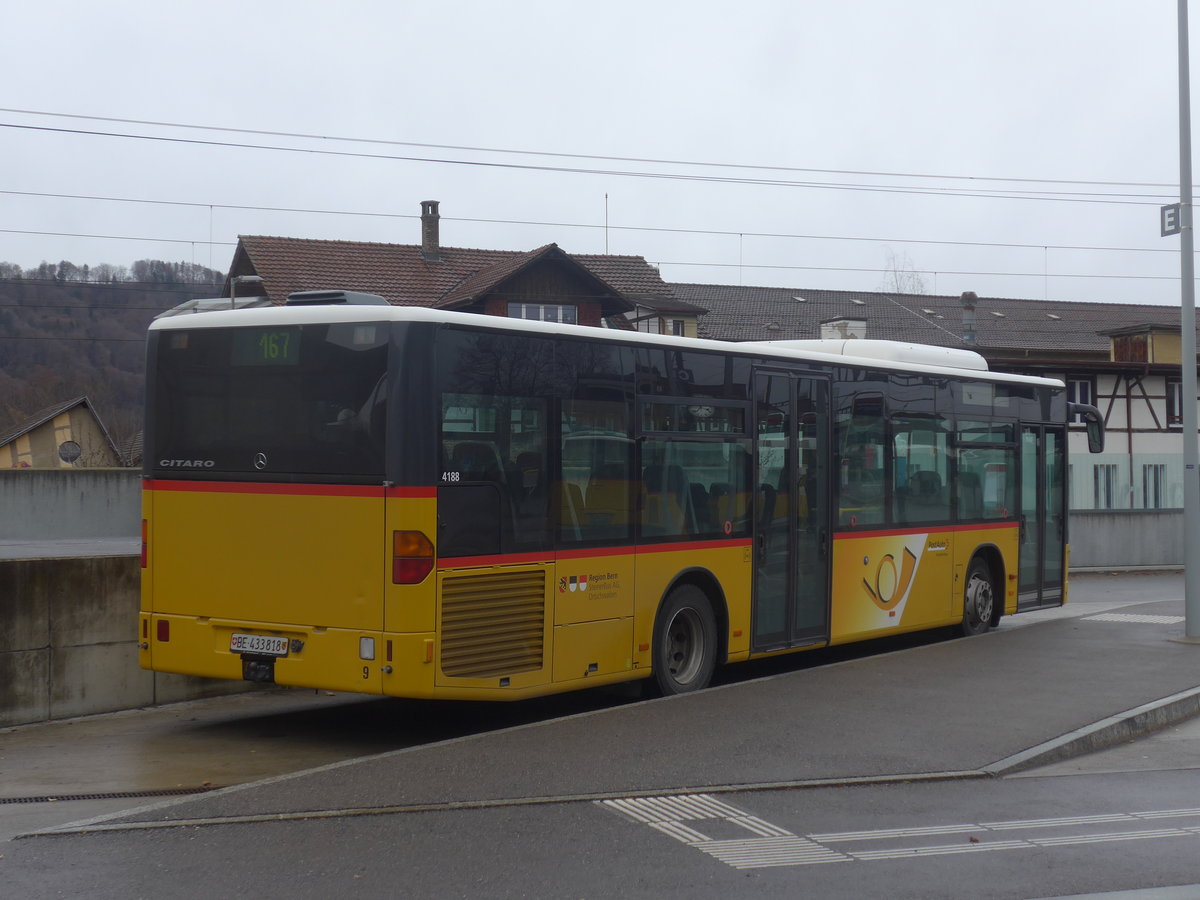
<point>412,557</point>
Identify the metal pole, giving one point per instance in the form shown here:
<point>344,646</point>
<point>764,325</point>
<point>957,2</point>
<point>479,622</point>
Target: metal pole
<point>1187,277</point>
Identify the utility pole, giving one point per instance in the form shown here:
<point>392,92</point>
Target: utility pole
<point>1187,277</point>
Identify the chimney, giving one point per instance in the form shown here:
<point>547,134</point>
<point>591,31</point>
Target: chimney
<point>430,250</point>
<point>968,323</point>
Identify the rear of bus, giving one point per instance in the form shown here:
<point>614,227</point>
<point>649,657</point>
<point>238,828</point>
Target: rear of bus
<point>266,555</point>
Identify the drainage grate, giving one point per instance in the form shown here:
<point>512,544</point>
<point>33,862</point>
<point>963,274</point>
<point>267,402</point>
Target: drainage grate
<point>1135,617</point>
<point>118,795</point>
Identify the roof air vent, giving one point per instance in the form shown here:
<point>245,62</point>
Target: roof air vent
<point>329,298</point>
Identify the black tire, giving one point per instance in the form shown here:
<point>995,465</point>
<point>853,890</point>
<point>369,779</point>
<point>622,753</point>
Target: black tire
<point>685,642</point>
<point>979,599</point>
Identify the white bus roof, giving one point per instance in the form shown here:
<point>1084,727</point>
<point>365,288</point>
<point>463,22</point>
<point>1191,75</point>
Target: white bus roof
<point>891,355</point>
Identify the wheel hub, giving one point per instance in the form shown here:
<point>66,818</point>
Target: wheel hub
<point>979,593</point>
<point>685,646</point>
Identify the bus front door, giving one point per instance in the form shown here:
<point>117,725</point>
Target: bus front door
<point>1042,517</point>
<point>791,518</point>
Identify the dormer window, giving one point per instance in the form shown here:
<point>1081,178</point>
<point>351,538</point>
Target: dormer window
<point>545,312</point>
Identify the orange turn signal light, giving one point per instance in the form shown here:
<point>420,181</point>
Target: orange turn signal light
<point>412,557</point>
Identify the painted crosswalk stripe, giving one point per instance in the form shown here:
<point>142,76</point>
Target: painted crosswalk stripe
<point>881,833</point>
<point>769,845</point>
<point>770,852</point>
<point>940,850</point>
<point>673,808</point>
<point>1139,618</point>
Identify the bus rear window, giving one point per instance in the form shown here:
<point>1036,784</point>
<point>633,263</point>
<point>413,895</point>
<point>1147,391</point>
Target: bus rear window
<point>286,401</point>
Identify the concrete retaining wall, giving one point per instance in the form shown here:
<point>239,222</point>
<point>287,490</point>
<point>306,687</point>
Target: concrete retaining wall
<point>1127,538</point>
<point>52,504</point>
<point>68,630</point>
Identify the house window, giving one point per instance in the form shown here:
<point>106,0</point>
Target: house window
<point>544,312</point>
<point>1081,390</point>
<point>677,327</point>
<point>1174,401</point>
<point>1154,485</point>
<point>1104,480</point>
<point>650,325</point>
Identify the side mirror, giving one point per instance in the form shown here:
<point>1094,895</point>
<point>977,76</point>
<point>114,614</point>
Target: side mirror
<point>1094,423</point>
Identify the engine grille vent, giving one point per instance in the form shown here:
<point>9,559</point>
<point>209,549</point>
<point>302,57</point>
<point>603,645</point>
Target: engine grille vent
<point>493,624</point>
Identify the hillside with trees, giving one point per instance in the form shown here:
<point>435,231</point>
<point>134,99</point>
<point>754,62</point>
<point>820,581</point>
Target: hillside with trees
<point>68,331</point>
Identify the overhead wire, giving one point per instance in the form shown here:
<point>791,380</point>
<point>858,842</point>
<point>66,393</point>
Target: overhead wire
<point>194,204</point>
<point>561,155</point>
<point>1007,194</point>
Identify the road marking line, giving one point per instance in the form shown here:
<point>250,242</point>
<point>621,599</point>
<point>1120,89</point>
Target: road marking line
<point>879,834</point>
<point>774,846</point>
<point>1067,840</point>
<point>692,807</point>
<point>942,850</point>
<point>768,853</point>
<point>1058,823</point>
<point>1169,814</point>
<point>1141,618</point>
<point>758,826</point>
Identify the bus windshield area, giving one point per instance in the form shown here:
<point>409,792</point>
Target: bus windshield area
<point>294,400</point>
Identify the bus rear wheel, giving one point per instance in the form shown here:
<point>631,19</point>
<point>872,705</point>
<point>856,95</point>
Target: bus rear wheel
<point>979,599</point>
<point>685,641</point>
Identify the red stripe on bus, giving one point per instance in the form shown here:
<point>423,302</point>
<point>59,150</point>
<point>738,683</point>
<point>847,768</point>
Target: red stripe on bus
<point>931,529</point>
<point>241,487</point>
<point>413,493</point>
<point>505,559</point>
<point>694,545</point>
<point>589,553</point>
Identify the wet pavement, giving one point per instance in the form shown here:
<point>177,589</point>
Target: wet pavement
<point>961,708</point>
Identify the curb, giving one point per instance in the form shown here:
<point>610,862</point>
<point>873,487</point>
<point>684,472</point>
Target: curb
<point>1116,729</point>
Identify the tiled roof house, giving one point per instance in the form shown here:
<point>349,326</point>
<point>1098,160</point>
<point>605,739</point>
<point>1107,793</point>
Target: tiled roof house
<point>545,283</point>
<point>65,435</point>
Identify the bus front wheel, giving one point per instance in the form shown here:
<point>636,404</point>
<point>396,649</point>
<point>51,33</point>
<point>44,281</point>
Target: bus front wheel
<point>685,641</point>
<point>979,599</point>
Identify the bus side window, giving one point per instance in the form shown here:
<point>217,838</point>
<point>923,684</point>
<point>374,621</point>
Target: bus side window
<point>860,481</point>
<point>607,501</point>
<point>970,496</point>
<point>667,503</point>
<point>476,461</point>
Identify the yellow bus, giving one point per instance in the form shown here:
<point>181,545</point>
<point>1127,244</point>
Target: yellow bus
<point>353,496</point>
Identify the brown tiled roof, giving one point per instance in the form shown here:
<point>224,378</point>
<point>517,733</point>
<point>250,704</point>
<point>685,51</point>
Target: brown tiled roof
<point>399,274</point>
<point>738,313</point>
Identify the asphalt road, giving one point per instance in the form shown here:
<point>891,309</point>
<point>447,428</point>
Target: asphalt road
<point>374,819</point>
<point>1038,835</point>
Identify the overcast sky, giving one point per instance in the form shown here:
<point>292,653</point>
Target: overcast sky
<point>839,139</point>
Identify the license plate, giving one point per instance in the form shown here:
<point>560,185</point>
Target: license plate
<point>261,644</point>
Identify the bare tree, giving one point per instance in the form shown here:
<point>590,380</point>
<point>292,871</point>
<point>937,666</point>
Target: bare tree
<point>900,277</point>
